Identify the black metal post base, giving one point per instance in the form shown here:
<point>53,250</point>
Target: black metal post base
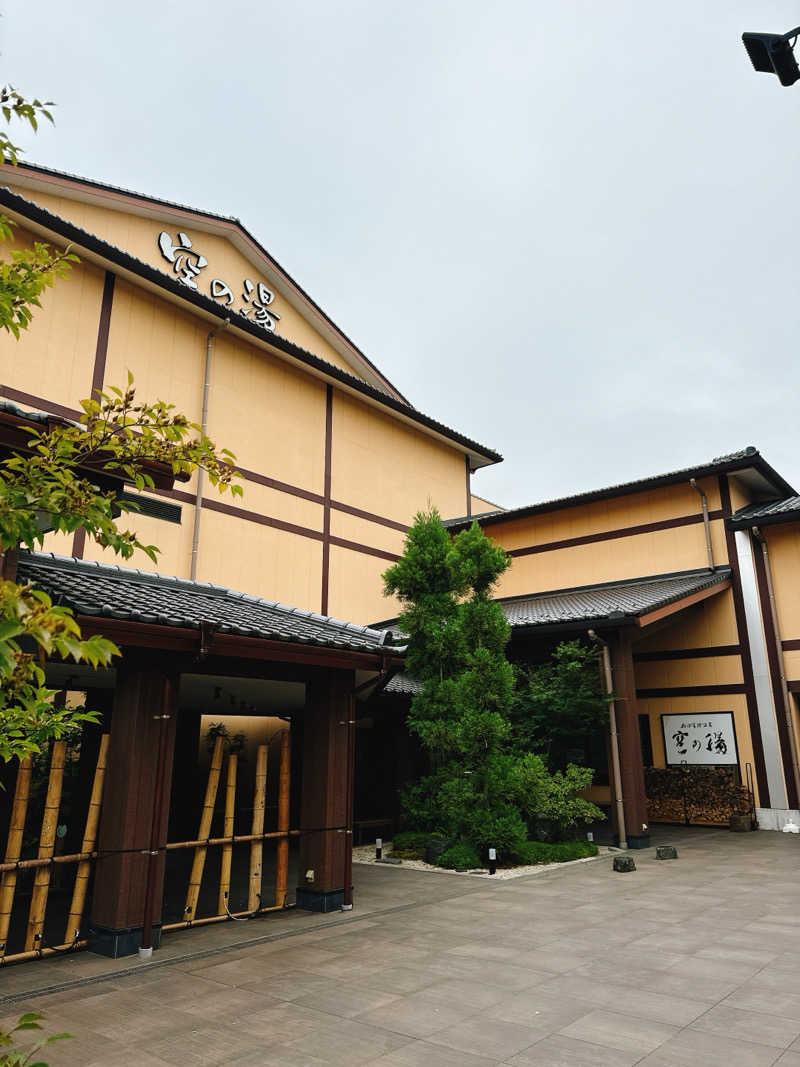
<point>117,943</point>
<point>319,899</point>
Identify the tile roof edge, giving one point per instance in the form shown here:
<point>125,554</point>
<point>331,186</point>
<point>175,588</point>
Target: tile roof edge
<point>54,561</point>
<point>747,457</point>
<point>718,574</point>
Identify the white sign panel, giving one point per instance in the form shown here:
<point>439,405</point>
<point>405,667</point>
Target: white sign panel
<point>705,738</point>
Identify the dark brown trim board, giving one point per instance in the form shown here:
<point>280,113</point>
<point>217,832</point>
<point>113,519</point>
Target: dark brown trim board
<point>358,513</point>
<point>38,402</point>
<point>744,642</point>
<point>692,691</point>
<point>773,660</point>
<point>101,350</point>
<point>326,514</point>
<point>793,645</point>
<point>612,535</point>
<point>705,652</point>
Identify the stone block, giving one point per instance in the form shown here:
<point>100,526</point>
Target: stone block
<point>666,852</point>
<point>624,863</point>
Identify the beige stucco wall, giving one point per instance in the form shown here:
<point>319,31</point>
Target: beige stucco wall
<point>386,466</point>
<point>55,355</point>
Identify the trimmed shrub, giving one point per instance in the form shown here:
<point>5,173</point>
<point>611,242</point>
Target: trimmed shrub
<point>459,857</point>
<point>533,852</point>
<point>409,845</point>
<point>435,846</point>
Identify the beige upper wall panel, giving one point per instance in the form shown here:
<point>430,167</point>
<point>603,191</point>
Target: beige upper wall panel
<point>55,355</point>
<point>709,623</point>
<point>661,552</point>
<point>138,236</point>
<point>383,466</point>
<point>355,589</point>
<point>269,414</point>
<point>783,542</point>
<point>601,516</point>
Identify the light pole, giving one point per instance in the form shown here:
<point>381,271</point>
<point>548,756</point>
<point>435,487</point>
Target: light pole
<point>773,53</point>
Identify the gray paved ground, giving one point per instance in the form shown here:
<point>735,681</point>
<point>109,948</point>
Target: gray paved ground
<point>688,962</point>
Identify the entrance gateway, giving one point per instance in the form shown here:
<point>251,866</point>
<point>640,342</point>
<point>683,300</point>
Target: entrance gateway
<point>201,823</point>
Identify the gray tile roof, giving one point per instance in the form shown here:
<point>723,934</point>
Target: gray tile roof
<point>774,511</point>
<point>746,457</point>
<point>613,602</point>
<point>113,592</point>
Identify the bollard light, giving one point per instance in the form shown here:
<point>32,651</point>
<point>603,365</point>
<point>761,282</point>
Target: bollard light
<point>773,53</point>
<point>378,848</point>
<point>492,861</point>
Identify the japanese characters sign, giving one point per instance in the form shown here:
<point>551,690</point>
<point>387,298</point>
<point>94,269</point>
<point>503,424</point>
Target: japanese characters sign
<point>700,738</point>
<point>251,299</point>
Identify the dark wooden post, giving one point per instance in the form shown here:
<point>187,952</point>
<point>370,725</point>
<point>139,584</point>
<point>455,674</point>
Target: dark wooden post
<point>630,746</point>
<point>324,841</point>
<point>137,785</point>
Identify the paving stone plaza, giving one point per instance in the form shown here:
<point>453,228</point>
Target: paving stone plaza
<point>693,961</point>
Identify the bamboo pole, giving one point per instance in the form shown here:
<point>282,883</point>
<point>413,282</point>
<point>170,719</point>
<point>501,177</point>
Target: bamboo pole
<point>58,950</point>
<point>183,925</point>
<point>16,829</point>
<point>227,850</point>
<point>87,846</point>
<point>257,846</point>
<point>282,863</point>
<point>47,839</point>
<point>236,839</point>
<point>195,878</point>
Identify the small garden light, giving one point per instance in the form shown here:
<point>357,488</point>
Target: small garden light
<point>378,848</point>
<point>492,861</point>
<point>773,53</point>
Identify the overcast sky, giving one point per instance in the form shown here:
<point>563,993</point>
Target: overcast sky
<point>565,228</point>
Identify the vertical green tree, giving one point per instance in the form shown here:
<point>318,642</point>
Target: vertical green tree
<point>456,647</point>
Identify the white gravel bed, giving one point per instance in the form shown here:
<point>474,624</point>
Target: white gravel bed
<point>366,854</point>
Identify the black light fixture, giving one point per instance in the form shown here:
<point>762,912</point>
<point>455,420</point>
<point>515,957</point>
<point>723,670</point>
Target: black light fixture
<point>773,53</point>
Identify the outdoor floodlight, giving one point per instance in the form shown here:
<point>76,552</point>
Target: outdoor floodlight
<point>773,53</point>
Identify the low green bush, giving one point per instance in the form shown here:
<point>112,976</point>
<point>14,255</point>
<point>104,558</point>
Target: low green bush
<point>409,845</point>
<point>532,852</point>
<point>460,857</point>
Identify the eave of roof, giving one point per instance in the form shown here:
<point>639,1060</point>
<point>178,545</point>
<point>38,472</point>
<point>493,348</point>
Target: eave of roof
<point>747,458</point>
<point>110,592</point>
<point>210,308</point>
<point>36,171</point>
<point>769,514</point>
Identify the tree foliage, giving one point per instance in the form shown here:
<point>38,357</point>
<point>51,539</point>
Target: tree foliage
<point>68,478</point>
<point>30,271</point>
<point>557,704</point>
<point>483,783</point>
<point>16,1057</point>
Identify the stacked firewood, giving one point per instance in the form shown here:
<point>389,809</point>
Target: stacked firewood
<point>708,795</point>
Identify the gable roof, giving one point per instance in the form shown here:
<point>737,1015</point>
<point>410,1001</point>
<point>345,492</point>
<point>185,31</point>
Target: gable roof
<point>76,187</point>
<point>775,511</point>
<point>112,592</point>
<point>611,602</point>
<point>113,258</point>
<point>765,481</point>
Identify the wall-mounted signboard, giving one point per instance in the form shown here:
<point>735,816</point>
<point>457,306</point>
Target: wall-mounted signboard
<point>703,738</point>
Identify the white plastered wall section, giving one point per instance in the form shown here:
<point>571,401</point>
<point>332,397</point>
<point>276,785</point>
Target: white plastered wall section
<point>774,817</point>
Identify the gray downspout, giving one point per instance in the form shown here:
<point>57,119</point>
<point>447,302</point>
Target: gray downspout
<point>198,502</point>
<point>613,738</point>
<point>787,704</point>
<point>706,524</point>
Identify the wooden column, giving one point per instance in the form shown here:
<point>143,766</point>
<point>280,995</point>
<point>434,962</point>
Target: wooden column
<point>630,746</point>
<point>146,692</point>
<point>324,793</point>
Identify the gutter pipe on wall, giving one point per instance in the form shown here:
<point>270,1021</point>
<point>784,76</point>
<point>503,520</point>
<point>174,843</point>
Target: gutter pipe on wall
<point>198,503</point>
<point>706,524</point>
<point>787,700</point>
<point>613,738</point>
